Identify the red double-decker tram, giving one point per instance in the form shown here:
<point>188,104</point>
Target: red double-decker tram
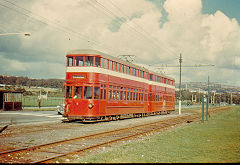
<point>102,87</point>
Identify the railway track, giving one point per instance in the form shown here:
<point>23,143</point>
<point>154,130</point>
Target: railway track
<point>49,152</point>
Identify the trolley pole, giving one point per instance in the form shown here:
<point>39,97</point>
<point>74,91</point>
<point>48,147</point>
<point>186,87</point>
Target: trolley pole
<point>203,109</point>
<point>180,93</point>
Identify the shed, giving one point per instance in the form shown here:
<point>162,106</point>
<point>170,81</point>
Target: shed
<point>10,100</point>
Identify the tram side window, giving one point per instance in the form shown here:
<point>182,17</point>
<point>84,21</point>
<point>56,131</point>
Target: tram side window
<point>88,93</point>
<point>88,61</point>
<point>69,92</point>
<point>121,68</point>
<point>78,92</point>
<point>79,61</point>
<point>129,70</point>
<point>96,92</point>
<point>70,61</point>
<point>114,66</point>
<point>102,62</point>
<point>118,67</point>
<point>97,61</point>
<point>151,77</point>
<point>109,92</point>
<point>150,97</point>
<point>105,63</point>
<point>110,65</point>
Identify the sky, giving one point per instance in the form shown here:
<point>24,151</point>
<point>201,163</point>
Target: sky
<point>204,32</point>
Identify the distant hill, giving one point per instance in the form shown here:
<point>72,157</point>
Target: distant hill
<point>204,86</point>
<point>25,81</point>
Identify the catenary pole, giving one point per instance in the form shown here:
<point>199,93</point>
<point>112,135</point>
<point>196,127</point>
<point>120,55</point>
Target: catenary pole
<point>180,93</point>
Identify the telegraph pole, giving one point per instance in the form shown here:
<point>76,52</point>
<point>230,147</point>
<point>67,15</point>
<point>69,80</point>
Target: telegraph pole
<point>180,93</point>
<point>207,103</point>
<point>180,67</point>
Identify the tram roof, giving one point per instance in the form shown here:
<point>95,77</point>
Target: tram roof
<point>96,52</point>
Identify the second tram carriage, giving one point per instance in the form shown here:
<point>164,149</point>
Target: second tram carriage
<point>102,87</point>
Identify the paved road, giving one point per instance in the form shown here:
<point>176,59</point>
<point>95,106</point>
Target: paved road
<point>24,117</point>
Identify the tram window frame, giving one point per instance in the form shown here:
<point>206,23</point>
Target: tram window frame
<point>117,95</point>
<point>129,70</point>
<point>125,69</point>
<point>86,92</point>
<point>122,69</point>
<point>89,60</point>
<point>110,65</point>
<point>96,92</point>
<point>134,96</point>
<point>102,62</point>
<point>118,67</point>
<point>109,92</point>
<point>121,95</point>
<point>150,97</point>
<point>114,66</point>
<point>150,77</point>
<point>77,61</point>
<point>114,95</point>
<point>78,92</point>
<point>106,63</point>
<point>101,93</point>
<point>69,92</point>
<point>70,62</point>
<point>97,61</point>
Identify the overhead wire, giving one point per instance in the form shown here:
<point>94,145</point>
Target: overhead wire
<point>110,14</point>
<point>70,31</point>
<point>47,21</point>
<point>122,20</point>
<point>142,29</point>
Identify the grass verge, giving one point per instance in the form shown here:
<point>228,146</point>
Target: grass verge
<point>217,140</point>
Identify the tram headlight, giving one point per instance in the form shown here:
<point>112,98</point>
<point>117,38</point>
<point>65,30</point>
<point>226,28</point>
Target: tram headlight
<point>90,105</point>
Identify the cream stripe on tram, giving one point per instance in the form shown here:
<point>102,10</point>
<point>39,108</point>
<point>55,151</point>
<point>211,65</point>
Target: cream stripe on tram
<point>117,74</point>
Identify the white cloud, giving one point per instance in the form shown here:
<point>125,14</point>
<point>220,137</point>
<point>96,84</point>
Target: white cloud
<point>201,38</point>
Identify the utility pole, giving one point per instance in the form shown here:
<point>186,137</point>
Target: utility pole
<point>180,67</point>
<point>180,93</point>
<point>207,103</point>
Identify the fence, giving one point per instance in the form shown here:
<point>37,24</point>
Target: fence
<point>32,101</point>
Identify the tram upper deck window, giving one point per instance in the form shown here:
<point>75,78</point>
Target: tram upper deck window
<point>70,61</point>
<point>102,62</point>
<point>110,65</point>
<point>114,66</point>
<point>79,61</point>
<point>105,63</point>
<point>88,61</point>
<point>97,61</point>
<point>151,77</point>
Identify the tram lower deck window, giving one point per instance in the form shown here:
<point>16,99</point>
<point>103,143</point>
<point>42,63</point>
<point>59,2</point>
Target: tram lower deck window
<point>88,93</point>
<point>96,92</point>
<point>78,92</point>
<point>69,92</point>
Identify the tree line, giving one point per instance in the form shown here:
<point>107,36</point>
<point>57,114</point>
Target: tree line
<point>25,81</point>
